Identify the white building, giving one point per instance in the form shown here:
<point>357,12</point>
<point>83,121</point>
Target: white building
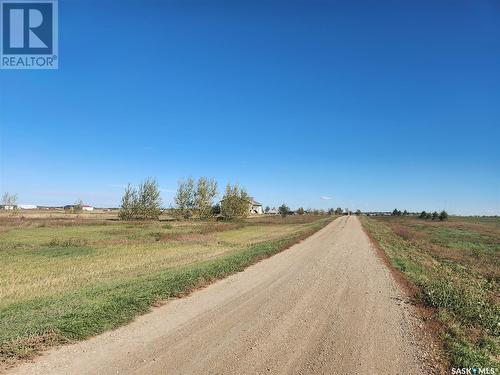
<point>27,207</point>
<point>255,207</point>
<point>87,208</point>
<point>273,211</point>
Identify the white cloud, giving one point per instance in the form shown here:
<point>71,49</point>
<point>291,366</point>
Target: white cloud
<point>325,198</point>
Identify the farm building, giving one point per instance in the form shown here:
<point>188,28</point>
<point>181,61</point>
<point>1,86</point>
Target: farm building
<point>8,207</point>
<point>273,211</point>
<point>255,207</point>
<point>27,207</point>
<point>84,207</point>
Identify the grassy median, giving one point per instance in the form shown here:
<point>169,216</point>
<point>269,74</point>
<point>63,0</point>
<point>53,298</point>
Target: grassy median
<point>456,266</point>
<point>65,280</point>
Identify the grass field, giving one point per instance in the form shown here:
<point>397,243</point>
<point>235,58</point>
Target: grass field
<point>67,278</point>
<point>456,266</point>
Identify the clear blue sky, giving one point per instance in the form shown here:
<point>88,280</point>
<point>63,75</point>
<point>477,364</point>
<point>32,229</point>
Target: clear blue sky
<point>375,104</point>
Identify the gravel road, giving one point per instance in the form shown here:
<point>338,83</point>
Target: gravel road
<point>327,305</point>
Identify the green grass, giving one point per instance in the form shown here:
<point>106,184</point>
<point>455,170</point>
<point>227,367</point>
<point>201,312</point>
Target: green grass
<point>455,266</point>
<point>121,285</point>
<point>62,251</point>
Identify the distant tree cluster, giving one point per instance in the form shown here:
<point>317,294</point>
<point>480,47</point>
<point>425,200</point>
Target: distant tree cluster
<point>141,203</point>
<point>77,207</point>
<point>443,215</point>
<point>397,212</point>
<point>284,210</point>
<point>196,198</point>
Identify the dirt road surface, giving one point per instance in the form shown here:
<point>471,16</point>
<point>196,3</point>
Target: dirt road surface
<point>327,305</point>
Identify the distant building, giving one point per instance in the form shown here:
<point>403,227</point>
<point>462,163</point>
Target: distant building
<point>255,207</point>
<point>8,207</point>
<point>84,207</point>
<point>273,211</point>
<point>27,207</point>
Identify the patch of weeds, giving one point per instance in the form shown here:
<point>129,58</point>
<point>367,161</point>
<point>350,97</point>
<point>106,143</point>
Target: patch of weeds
<point>489,344</point>
<point>408,266</point>
<point>476,253</point>
<point>156,235</point>
<point>464,355</point>
<point>28,347</point>
<point>466,304</point>
<point>69,242</point>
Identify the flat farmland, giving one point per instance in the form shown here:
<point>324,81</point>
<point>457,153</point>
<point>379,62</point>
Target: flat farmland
<point>455,266</point>
<point>64,277</point>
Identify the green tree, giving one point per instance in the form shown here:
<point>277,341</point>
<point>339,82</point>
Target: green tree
<point>338,211</point>
<point>185,198</point>
<point>148,200</point>
<point>267,209</point>
<point>435,215</point>
<point>129,203</point>
<point>396,212</point>
<point>301,211</point>
<point>358,212</point>
<point>405,213</point>
<point>443,215</point>
<point>206,191</point>
<point>283,210</point>
<point>143,203</point>
<point>216,209</point>
<point>423,215</point>
<point>77,207</point>
<point>235,203</point>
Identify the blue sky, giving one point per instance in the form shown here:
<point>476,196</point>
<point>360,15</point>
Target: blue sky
<point>374,105</point>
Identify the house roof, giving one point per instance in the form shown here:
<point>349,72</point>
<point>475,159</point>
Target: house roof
<point>254,202</point>
<point>251,200</point>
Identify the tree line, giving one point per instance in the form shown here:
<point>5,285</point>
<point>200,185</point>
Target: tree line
<point>284,210</point>
<point>193,198</point>
<point>443,215</point>
<point>196,198</point>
